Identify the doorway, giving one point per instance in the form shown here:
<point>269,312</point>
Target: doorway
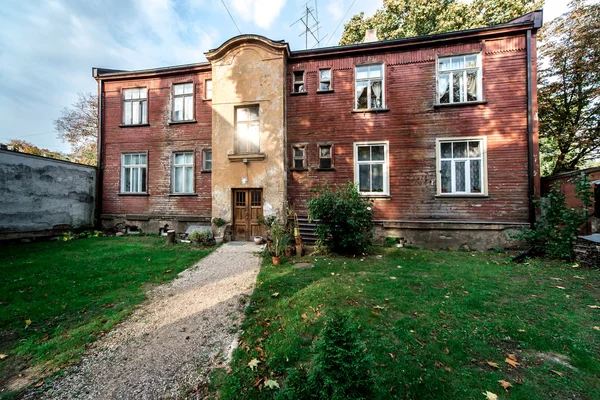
<point>247,208</point>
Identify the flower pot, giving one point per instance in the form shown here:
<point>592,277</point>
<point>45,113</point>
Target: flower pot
<point>275,260</point>
<point>288,251</point>
<point>298,239</point>
<point>258,240</point>
<point>218,239</point>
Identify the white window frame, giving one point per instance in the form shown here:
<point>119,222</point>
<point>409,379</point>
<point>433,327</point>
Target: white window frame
<point>248,123</point>
<point>483,158</point>
<point>303,82</point>
<point>139,102</point>
<point>183,96</point>
<point>184,166</point>
<point>369,79</point>
<point>464,70</point>
<point>207,92</point>
<point>330,80</point>
<point>386,168</point>
<point>128,169</point>
<point>294,158</point>
<point>204,159</point>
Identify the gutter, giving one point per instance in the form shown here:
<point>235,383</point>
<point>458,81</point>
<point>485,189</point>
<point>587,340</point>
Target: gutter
<point>530,160</point>
<point>99,170</point>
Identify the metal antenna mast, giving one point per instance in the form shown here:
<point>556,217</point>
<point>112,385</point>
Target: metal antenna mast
<point>311,24</point>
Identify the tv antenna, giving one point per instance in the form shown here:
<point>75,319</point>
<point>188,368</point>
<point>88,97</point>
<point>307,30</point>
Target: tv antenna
<point>310,21</point>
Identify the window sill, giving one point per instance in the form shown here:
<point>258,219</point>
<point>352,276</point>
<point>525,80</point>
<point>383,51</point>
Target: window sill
<point>299,169</point>
<point>207,99</point>
<point>183,194</point>
<point>248,157</point>
<point>132,125</point>
<point>206,171</point>
<point>461,196</point>
<point>133,194</point>
<point>325,91</point>
<point>191,121</point>
<point>298,93</point>
<point>326,169</point>
<point>370,110</point>
<point>376,196</point>
<point>470,103</point>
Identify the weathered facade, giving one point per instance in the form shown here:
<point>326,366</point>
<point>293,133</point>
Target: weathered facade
<point>440,131</point>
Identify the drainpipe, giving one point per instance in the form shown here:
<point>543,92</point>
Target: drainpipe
<point>99,151</point>
<point>530,160</point>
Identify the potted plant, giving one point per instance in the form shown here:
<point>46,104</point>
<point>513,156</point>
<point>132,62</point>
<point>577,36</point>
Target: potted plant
<point>219,223</point>
<point>267,223</point>
<point>280,239</point>
<point>258,240</point>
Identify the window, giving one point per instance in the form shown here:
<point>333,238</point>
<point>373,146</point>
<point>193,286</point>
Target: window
<point>183,102</point>
<point>371,168</point>
<point>207,160</point>
<point>299,159</point>
<point>133,173</point>
<point>325,79</point>
<point>208,89</point>
<point>369,87</point>
<point>246,130</point>
<point>461,166</point>
<point>459,79</point>
<point>325,156</point>
<point>183,172</point>
<point>135,106</point>
<point>299,82</point>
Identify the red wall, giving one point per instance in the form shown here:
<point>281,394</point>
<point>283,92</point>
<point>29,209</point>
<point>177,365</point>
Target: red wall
<point>412,125</point>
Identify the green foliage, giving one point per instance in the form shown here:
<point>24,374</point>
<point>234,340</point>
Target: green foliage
<point>280,237</point>
<point>202,237</point>
<point>67,236</point>
<point>219,222</point>
<point>557,226</point>
<point>390,241</point>
<point>344,218</point>
<point>569,89</point>
<point>406,18</point>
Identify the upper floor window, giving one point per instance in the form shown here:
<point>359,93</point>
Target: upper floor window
<point>299,159</point>
<point>246,130</point>
<point>461,166</point>
<point>459,79</point>
<point>183,172</point>
<point>207,160</point>
<point>133,173</point>
<point>369,87</point>
<point>299,82</point>
<point>371,168</point>
<point>208,89</point>
<point>325,159</point>
<point>135,106</point>
<point>183,102</point>
<point>325,79</point>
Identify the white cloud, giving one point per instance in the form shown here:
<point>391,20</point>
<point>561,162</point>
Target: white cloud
<point>260,12</point>
<point>336,9</point>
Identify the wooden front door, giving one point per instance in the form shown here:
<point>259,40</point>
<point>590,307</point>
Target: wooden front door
<point>247,208</point>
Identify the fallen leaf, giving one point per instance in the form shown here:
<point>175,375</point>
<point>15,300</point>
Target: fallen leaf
<point>557,372</point>
<point>560,287</point>
<point>594,307</point>
<point>40,383</point>
<point>393,356</point>
<point>578,277</point>
<point>575,266</point>
<point>511,360</point>
<point>490,396</point>
<point>556,279</point>
<point>3,356</point>
<point>505,384</point>
<point>303,316</point>
<point>597,328</point>
<point>493,364</point>
<point>275,294</point>
<point>446,351</point>
<point>271,384</point>
<point>375,314</point>
<point>393,277</point>
<point>253,364</point>
<point>378,307</point>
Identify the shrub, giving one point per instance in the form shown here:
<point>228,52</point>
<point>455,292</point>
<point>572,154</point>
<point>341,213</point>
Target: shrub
<point>200,237</point>
<point>345,219</point>
<point>557,226</point>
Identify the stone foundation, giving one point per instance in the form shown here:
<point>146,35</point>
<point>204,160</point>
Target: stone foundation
<point>151,223</point>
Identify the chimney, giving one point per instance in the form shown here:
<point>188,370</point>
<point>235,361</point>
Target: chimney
<point>370,36</point>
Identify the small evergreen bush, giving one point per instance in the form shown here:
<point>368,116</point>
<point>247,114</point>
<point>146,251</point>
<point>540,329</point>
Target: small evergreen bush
<point>345,219</point>
<point>201,237</point>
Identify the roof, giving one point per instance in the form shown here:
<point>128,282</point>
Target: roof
<point>532,20</point>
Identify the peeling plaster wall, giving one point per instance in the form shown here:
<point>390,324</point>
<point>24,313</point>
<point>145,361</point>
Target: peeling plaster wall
<point>37,193</point>
<point>249,73</point>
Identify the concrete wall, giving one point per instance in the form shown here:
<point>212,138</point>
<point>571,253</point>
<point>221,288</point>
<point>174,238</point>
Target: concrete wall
<point>37,194</point>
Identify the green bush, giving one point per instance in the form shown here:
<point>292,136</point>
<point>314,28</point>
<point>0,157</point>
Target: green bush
<point>201,237</point>
<point>557,226</point>
<point>344,218</point>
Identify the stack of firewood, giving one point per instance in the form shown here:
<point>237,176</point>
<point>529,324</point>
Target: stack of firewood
<point>587,252</point>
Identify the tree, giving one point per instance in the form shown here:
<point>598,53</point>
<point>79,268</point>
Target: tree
<point>406,18</point>
<point>78,125</point>
<point>29,148</point>
<point>569,89</point>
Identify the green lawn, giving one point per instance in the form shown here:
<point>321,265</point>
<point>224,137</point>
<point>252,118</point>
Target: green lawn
<point>432,321</point>
<point>58,297</point>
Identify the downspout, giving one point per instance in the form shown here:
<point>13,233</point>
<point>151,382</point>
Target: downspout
<point>530,159</point>
<point>99,153</point>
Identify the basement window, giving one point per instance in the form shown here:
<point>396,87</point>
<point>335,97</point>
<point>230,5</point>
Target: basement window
<point>299,82</point>
<point>461,166</point>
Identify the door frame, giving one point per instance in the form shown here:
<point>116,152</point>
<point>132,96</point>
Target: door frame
<point>252,227</point>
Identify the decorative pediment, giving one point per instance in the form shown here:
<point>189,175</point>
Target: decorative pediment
<point>225,53</point>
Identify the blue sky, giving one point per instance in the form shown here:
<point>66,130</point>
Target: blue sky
<point>48,47</point>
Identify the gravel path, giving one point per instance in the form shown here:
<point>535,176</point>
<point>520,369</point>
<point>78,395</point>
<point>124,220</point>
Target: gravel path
<point>169,346</point>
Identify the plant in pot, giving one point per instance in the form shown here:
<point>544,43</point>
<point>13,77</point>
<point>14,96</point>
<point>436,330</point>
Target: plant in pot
<point>281,240</point>
<point>219,223</point>
<point>267,224</point>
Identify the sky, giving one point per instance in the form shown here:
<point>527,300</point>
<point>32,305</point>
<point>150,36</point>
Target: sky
<point>48,47</point>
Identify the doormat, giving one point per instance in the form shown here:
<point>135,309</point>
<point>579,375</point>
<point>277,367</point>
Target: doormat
<point>236,243</point>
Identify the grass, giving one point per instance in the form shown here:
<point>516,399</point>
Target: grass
<point>432,321</point>
<point>57,297</point>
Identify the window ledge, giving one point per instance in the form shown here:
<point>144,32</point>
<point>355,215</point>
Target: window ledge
<point>191,121</point>
<point>249,157</point>
<point>299,169</point>
<point>370,110</point>
<point>469,103</point>
<point>206,171</point>
<point>132,125</point>
<point>326,169</point>
<point>207,99</point>
<point>298,93</point>
<point>376,196</point>
<point>183,194</point>
<point>325,91</point>
<point>133,194</point>
<point>462,196</point>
